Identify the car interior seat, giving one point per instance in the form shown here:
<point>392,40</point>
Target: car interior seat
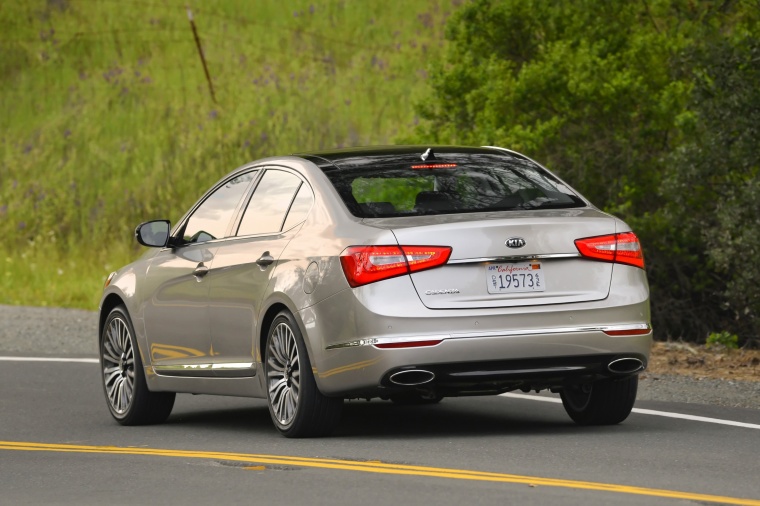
<point>433,201</point>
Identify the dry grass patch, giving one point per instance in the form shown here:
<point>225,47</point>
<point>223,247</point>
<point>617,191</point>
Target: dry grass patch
<point>698,361</point>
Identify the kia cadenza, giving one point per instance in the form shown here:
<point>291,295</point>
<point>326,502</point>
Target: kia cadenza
<point>404,273</point>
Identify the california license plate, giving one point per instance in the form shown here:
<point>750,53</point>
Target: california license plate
<point>515,277</point>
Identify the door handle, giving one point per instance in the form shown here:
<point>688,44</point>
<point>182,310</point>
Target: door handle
<point>265,260</point>
<point>200,271</point>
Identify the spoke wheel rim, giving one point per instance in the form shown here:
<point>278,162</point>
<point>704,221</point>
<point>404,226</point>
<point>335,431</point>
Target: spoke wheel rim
<point>283,374</point>
<point>118,366</point>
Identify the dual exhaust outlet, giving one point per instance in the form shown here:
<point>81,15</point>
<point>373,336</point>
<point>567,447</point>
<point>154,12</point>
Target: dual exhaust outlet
<point>627,365</point>
<point>414,377</point>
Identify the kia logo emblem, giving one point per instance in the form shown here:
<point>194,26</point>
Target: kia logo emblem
<point>515,242</point>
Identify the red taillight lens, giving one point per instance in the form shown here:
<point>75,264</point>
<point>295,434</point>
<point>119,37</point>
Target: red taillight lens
<point>629,332</point>
<point>426,257</point>
<point>623,248</point>
<point>367,264</point>
<point>435,166</point>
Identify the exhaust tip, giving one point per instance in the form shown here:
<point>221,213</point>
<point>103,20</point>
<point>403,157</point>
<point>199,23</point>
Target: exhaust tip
<point>411,377</point>
<point>626,365</point>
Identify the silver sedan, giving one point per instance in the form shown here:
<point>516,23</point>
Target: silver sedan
<point>406,273</point>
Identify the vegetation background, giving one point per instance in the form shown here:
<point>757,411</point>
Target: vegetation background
<point>651,108</point>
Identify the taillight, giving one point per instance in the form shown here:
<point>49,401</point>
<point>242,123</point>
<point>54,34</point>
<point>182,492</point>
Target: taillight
<point>623,248</point>
<point>367,264</point>
<point>435,166</point>
<point>628,332</point>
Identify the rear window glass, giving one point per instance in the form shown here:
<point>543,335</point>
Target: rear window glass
<point>401,185</point>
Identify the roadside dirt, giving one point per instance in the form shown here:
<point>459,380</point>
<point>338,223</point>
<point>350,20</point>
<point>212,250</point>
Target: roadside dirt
<point>700,362</point>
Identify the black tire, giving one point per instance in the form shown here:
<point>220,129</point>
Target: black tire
<point>414,399</point>
<point>603,402</point>
<point>123,377</point>
<point>297,407</point>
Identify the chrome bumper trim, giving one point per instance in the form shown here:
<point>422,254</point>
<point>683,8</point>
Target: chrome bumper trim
<point>384,340</point>
<point>557,330</point>
<point>371,341</point>
<point>514,258</point>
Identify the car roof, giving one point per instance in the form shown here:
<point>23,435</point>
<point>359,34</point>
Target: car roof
<point>336,155</point>
<point>328,160</point>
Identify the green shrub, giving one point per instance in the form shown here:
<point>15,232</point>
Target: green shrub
<point>723,339</point>
<point>651,109</point>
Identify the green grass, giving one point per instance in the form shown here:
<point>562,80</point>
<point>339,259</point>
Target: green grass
<point>107,120</point>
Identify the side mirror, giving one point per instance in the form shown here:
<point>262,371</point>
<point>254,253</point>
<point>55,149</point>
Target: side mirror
<point>154,234</point>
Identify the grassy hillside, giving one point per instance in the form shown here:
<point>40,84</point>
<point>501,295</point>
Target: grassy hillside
<point>107,120</point>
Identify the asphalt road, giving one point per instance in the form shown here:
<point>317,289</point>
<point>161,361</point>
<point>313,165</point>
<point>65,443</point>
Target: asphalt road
<point>59,445</point>
<point>231,454</point>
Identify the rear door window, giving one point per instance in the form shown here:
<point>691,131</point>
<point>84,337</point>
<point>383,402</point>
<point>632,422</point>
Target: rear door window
<point>300,207</point>
<point>266,210</point>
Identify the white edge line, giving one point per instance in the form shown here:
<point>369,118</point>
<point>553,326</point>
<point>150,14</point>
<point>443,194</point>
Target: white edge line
<point>531,397</point>
<point>50,359</point>
<point>511,395</point>
<point>696,418</point>
<point>651,412</point>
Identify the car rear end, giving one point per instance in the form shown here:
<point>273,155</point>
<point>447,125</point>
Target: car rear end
<point>499,277</point>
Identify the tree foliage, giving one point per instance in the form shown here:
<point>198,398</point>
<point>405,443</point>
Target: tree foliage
<point>713,186</point>
<point>622,99</point>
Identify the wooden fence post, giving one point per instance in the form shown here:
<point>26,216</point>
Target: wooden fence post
<point>200,53</point>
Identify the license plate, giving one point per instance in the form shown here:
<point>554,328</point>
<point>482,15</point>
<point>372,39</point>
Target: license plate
<point>515,277</point>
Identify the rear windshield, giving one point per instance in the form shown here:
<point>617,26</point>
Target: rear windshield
<point>386,186</point>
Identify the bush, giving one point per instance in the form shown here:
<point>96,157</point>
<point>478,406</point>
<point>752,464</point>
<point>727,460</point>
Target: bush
<point>651,109</point>
<point>723,339</point>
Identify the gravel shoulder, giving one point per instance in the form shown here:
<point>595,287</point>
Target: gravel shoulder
<point>718,392</point>
<point>48,332</point>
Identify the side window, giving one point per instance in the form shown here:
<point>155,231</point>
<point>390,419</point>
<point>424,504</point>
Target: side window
<point>271,199</point>
<point>300,208</point>
<point>212,217</point>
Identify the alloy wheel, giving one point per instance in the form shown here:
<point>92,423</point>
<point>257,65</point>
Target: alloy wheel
<point>118,366</point>
<point>283,374</point>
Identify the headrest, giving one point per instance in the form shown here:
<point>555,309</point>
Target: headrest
<point>433,201</point>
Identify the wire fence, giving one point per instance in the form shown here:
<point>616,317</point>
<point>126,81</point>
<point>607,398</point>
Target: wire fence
<point>165,29</point>
<point>200,14</point>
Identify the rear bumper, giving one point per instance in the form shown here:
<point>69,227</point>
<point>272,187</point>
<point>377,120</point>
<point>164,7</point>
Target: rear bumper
<point>481,365</point>
<point>498,376</point>
<point>480,350</point>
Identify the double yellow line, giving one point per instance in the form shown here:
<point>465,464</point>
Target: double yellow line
<point>256,460</point>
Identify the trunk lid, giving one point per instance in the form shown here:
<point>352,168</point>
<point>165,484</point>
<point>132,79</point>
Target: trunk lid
<point>483,272</point>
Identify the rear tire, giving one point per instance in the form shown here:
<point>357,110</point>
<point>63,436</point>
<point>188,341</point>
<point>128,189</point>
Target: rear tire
<point>297,407</point>
<point>603,402</point>
<point>123,377</point>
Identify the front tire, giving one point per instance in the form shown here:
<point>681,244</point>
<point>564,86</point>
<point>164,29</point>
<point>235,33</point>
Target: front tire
<point>297,407</point>
<point>603,402</point>
<point>127,395</point>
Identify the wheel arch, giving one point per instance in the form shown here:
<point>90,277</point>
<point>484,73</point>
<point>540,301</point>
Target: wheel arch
<point>276,305</point>
<point>109,303</point>
<point>266,321</point>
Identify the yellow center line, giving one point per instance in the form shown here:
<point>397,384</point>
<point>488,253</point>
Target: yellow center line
<point>377,467</point>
